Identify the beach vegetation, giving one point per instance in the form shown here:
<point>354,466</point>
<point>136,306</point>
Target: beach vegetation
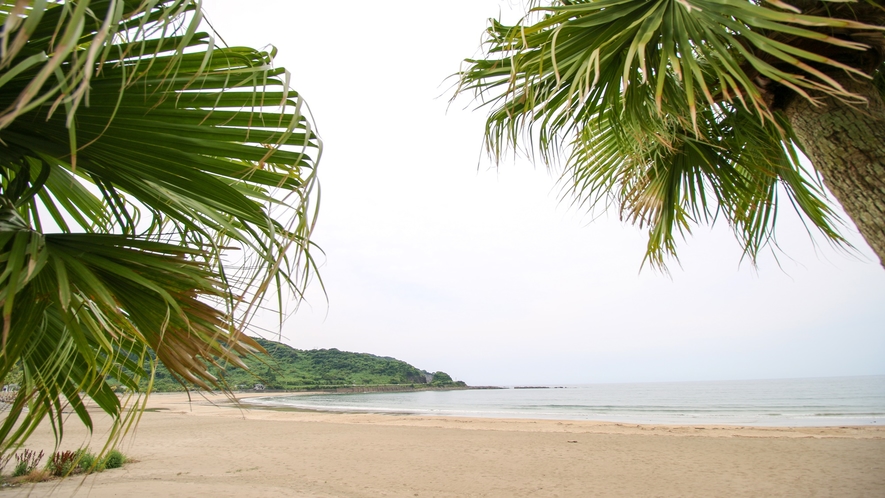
<point>113,460</point>
<point>680,113</point>
<point>35,475</point>
<point>87,462</point>
<point>61,463</point>
<point>155,185</point>
<point>26,461</point>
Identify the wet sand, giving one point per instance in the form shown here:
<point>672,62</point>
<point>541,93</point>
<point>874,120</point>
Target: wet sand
<point>211,448</point>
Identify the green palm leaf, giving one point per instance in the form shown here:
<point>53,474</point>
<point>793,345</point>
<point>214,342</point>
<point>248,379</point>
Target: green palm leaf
<point>135,156</point>
<point>670,110</point>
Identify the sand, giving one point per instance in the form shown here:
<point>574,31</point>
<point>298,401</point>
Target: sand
<point>216,450</point>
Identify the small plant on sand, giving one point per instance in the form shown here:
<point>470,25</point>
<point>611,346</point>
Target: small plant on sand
<point>26,462</point>
<point>114,459</point>
<point>87,462</point>
<point>62,463</point>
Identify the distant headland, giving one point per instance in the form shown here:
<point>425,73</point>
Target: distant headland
<point>285,368</point>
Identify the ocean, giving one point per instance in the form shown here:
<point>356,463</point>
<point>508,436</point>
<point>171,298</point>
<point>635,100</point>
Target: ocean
<point>835,401</point>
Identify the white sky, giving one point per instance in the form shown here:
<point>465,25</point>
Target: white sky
<point>435,257</point>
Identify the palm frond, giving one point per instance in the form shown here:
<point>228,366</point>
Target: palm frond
<point>152,154</point>
<point>668,109</point>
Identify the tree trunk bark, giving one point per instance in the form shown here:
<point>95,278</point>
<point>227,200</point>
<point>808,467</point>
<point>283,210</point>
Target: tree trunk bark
<point>846,145</point>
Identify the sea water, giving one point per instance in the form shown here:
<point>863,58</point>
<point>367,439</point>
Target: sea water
<point>836,401</point>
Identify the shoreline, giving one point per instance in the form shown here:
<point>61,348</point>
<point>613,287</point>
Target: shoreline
<point>244,398</point>
<point>212,447</point>
<point>207,407</point>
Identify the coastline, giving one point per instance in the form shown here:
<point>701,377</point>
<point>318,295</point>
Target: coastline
<point>213,447</point>
<point>403,418</point>
<point>583,404</point>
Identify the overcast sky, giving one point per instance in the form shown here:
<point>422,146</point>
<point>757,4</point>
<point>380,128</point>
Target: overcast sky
<point>436,257</point>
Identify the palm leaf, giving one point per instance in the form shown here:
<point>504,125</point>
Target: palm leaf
<point>664,108</point>
<point>151,153</point>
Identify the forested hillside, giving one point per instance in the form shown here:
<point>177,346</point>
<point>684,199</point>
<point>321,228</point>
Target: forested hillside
<point>285,367</point>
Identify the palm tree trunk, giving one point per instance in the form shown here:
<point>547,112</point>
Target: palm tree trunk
<point>846,144</point>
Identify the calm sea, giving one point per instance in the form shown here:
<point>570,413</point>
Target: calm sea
<point>785,402</point>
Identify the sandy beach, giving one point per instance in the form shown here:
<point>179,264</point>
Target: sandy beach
<point>210,448</point>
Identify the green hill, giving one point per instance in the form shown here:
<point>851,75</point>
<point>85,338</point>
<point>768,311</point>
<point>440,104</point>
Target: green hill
<point>285,367</point>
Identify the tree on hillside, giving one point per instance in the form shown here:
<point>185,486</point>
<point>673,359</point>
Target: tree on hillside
<point>441,378</point>
<point>681,111</point>
<point>154,187</point>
